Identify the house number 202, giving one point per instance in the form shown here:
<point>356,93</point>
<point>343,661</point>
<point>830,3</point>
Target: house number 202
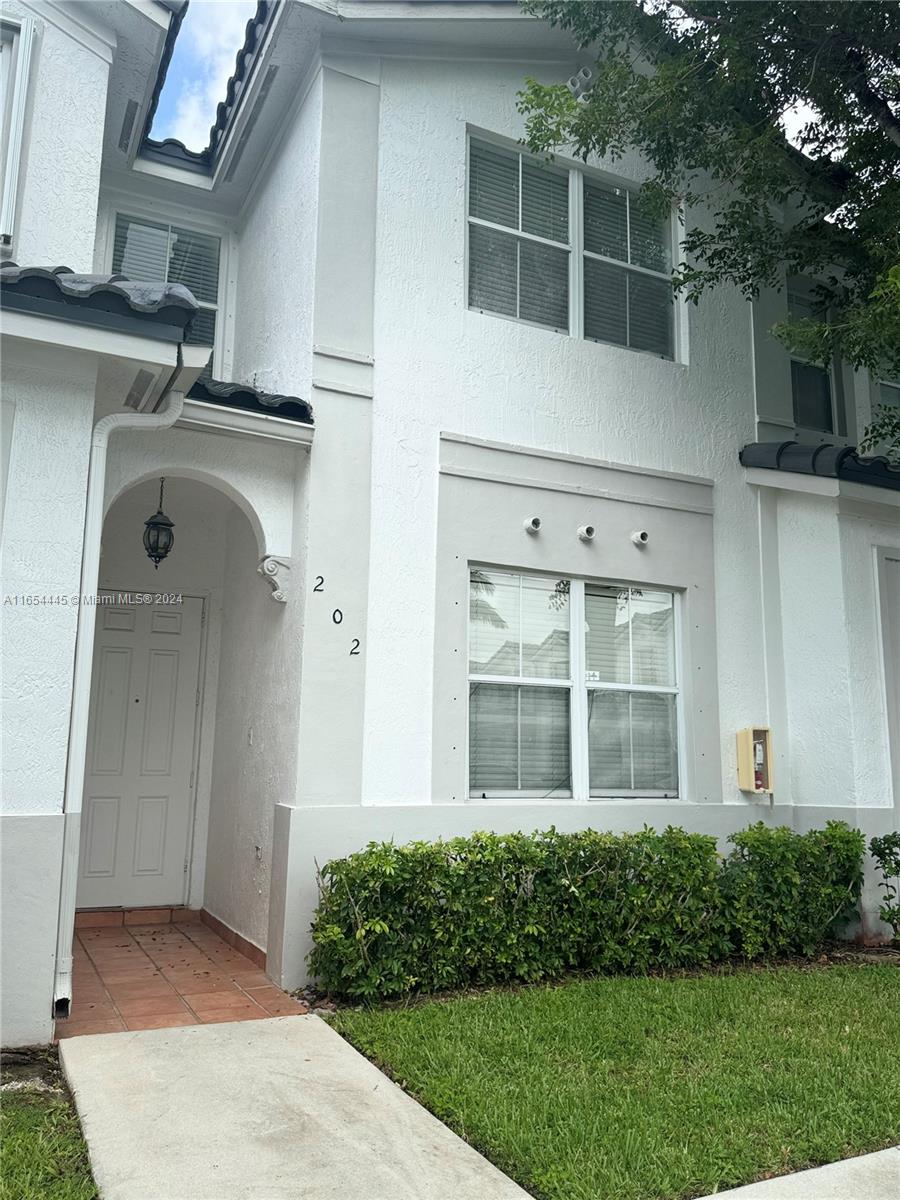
<point>337,616</point>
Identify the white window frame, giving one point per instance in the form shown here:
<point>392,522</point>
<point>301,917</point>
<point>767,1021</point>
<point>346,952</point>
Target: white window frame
<point>579,759</point>
<point>575,248</point>
<point>123,204</point>
<point>18,35</point>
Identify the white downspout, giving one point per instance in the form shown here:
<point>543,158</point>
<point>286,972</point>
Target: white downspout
<point>173,403</point>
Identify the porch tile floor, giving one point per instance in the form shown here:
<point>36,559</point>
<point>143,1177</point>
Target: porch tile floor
<point>163,976</point>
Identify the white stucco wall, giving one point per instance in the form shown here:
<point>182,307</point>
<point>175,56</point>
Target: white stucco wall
<point>42,530</point>
<point>253,765</point>
<point>42,534</point>
<point>62,148</point>
<point>439,366</point>
<point>276,255</point>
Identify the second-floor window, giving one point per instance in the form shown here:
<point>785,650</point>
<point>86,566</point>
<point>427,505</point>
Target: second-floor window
<point>568,251</point>
<point>151,250</point>
<point>816,396</point>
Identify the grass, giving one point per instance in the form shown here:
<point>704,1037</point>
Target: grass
<point>655,1088</point>
<point>42,1152</point>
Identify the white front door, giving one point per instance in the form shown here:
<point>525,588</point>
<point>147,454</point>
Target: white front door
<point>136,813</point>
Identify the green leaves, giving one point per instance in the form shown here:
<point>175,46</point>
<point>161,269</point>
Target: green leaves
<point>886,852</point>
<point>704,93</point>
<point>784,890</point>
<point>493,908</point>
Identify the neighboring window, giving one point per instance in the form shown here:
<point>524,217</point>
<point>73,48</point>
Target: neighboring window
<point>525,273</point>
<point>817,402</point>
<point>627,269</point>
<point>16,39</point>
<point>529,676</point>
<point>889,393</point>
<point>149,250</point>
<point>521,244</point>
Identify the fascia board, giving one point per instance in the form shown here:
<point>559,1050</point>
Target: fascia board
<point>104,343</point>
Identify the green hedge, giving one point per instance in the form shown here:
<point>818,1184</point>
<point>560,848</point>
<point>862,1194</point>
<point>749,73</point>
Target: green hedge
<point>498,907</point>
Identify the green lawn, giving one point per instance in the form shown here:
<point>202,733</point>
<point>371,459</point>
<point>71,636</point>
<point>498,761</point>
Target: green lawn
<point>42,1152</point>
<point>652,1088</point>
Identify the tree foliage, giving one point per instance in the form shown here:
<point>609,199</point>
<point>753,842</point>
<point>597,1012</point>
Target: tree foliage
<point>704,89</point>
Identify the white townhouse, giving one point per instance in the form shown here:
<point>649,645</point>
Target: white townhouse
<point>474,526</point>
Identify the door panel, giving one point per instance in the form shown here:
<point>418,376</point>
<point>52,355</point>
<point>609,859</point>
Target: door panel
<point>137,807</point>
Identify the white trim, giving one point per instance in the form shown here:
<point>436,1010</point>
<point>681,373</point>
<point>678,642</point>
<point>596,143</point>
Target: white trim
<point>888,661</point>
<point>344,355</point>
<point>577,174</point>
<point>343,389</point>
<point>824,485</point>
<point>72,20</point>
<point>546,485</point>
<point>21,48</point>
<point>464,439</point>
<point>579,688</point>
<point>200,414</point>
<point>91,339</point>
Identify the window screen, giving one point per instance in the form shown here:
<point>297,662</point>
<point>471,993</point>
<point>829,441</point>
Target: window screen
<point>151,250</point>
<point>627,264</point>
<point>518,237</point>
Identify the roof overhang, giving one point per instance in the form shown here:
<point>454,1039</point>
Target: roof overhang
<point>144,367</point>
<point>283,45</point>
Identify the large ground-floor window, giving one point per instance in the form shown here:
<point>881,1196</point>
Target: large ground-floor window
<point>573,688</point>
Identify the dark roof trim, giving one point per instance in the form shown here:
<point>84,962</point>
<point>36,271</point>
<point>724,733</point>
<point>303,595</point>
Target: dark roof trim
<point>177,13</point>
<point>171,150</point>
<point>163,311</point>
<point>250,399</point>
<point>824,460</point>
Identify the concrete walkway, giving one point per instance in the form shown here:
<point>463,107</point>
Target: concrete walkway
<point>868,1177</point>
<point>280,1109</point>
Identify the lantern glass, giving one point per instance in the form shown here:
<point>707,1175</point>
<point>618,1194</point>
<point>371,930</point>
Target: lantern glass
<point>159,537</point>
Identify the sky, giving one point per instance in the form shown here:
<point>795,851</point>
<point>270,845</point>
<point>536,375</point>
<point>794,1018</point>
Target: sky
<point>210,36</point>
<point>203,59</point>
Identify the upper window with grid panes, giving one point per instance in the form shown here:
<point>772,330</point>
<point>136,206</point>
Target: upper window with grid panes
<point>561,249</point>
<point>151,250</point>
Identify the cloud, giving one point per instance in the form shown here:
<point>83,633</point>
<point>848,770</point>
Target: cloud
<point>203,60</point>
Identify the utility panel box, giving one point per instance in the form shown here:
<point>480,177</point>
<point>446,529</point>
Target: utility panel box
<point>754,759</point>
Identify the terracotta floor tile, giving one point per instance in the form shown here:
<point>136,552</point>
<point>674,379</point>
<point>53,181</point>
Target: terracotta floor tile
<point>150,1006</point>
<point>143,987</point>
<point>135,968</point>
<point>66,1029</point>
<point>221,1015</point>
<point>199,982</point>
<point>142,917</point>
<point>206,1002</point>
<point>97,920</point>
<point>82,1008</point>
<point>250,979</point>
<point>161,1021</point>
<point>89,995</point>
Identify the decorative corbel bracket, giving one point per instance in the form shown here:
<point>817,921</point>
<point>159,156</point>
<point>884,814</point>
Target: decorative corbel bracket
<point>273,571</point>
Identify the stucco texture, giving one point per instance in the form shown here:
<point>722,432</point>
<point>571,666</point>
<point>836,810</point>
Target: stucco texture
<point>61,158</point>
<point>442,367</point>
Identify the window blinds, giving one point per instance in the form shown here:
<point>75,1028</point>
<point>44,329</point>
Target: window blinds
<point>508,273</point>
<point>149,250</point>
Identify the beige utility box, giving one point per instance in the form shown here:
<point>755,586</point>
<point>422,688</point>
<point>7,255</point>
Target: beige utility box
<point>754,759</point>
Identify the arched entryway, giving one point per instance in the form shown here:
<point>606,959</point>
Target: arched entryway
<point>183,765</point>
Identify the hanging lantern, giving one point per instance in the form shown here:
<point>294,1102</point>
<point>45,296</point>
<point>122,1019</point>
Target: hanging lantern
<point>158,536</point>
